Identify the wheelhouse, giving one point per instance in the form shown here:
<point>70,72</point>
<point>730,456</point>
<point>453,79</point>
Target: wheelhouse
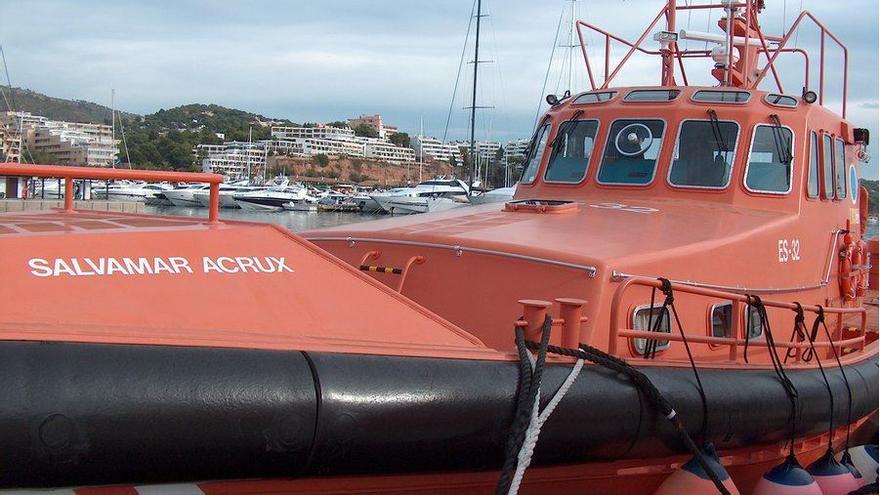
<point>720,144</point>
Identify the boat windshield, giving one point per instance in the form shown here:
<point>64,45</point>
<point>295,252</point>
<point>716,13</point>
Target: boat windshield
<point>536,152</point>
<point>571,153</point>
<point>769,168</point>
<point>631,153</point>
<point>703,154</point>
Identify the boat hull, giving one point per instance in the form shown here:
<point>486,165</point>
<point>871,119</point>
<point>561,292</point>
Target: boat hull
<point>72,411</point>
<point>261,203</point>
<point>183,198</point>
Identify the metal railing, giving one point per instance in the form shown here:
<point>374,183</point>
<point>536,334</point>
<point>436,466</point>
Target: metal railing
<point>738,302</point>
<point>71,173</point>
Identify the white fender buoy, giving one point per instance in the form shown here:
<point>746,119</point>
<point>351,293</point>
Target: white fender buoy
<point>832,477</point>
<point>864,459</point>
<point>845,459</point>
<point>788,478</point>
<point>692,479</point>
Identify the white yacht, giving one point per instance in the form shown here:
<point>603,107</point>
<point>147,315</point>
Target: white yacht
<point>128,191</point>
<point>227,194</point>
<point>407,205</point>
<point>184,195</point>
<point>271,199</point>
<point>498,195</point>
<point>424,197</point>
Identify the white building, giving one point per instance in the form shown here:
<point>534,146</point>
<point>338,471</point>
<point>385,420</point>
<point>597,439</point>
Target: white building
<point>516,148</point>
<point>233,159</point>
<point>68,143</point>
<point>335,141</point>
<point>433,148</point>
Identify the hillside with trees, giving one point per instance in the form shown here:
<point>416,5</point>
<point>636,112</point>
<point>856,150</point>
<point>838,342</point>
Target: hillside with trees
<point>161,140</point>
<point>59,108</point>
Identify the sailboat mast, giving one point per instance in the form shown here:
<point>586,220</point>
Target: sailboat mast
<point>421,146</point>
<point>474,100</point>
<point>571,46</point>
<point>113,124</point>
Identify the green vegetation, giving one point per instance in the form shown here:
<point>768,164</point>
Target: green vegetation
<point>871,186</point>
<point>322,159</point>
<point>357,177</point>
<point>364,130</point>
<point>59,108</point>
<point>400,139</point>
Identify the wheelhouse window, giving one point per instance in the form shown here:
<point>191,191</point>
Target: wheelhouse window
<point>722,96</point>
<point>840,168</point>
<point>722,318</point>
<point>598,97</point>
<point>571,151</point>
<point>769,168</point>
<point>652,95</point>
<point>631,152</point>
<point>650,319</point>
<point>828,166</point>
<point>536,151</point>
<point>813,173</point>
<point>781,100</point>
<point>704,154</point>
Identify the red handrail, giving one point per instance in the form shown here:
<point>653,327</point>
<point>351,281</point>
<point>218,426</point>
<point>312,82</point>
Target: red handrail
<point>71,173</point>
<point>737,299</point>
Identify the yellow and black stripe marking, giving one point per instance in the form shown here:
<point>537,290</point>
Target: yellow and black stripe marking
<point>381,269</point>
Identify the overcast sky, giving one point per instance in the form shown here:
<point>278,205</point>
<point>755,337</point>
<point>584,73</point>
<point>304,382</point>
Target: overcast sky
<point>329,60</point>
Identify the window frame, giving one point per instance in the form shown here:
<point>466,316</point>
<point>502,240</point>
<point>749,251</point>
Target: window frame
<point>839,170</point>
<point>814,147</point>
<point>711,324</point>
<point>678,93</point>
<point>632,321</point>
<point>732,162</point>
<point>828,170</point>
<point>704,102</point>
<point>549,124</point>
<point>745,181</point>
<point>656,162</point>
<point>613,96</point>
<point>778,105</point>
<point>589,162</point>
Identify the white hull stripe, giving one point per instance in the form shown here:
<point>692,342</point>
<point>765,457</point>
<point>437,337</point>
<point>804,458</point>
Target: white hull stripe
<point>168,489</point>
<point>173,489</point>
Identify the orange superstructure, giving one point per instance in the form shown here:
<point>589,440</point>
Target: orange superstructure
<point>666,266</point>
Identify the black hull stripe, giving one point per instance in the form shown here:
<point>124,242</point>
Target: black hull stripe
<point>88,414</point>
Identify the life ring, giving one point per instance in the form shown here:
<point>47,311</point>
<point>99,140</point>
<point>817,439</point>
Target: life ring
<point>852,276</point>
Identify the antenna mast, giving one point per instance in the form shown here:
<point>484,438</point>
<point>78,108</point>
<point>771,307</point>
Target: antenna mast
<point>474,100</point>
<point>670,48</point>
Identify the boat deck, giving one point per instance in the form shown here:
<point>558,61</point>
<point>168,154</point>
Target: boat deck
<point>136,279</point>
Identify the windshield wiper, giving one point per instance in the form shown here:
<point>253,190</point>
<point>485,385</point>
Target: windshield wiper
<point>716,131</point>
<point>782,147</point>
<point>560,133</point>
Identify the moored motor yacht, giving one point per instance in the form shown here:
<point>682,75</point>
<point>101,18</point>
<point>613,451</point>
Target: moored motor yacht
<point>184,195</point>
<point>270,199</point>
<point>227,194</point>
<point>416,199</point>
<point>497,195</point>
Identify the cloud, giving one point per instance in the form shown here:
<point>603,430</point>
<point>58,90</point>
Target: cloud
<point>321,61</point>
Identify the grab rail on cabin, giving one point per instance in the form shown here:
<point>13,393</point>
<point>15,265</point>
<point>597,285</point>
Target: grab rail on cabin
<point>750,78</point>
<point>71,173</point>
<point>738,302</point>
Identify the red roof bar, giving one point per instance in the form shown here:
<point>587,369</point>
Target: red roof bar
<point>71,173</point>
